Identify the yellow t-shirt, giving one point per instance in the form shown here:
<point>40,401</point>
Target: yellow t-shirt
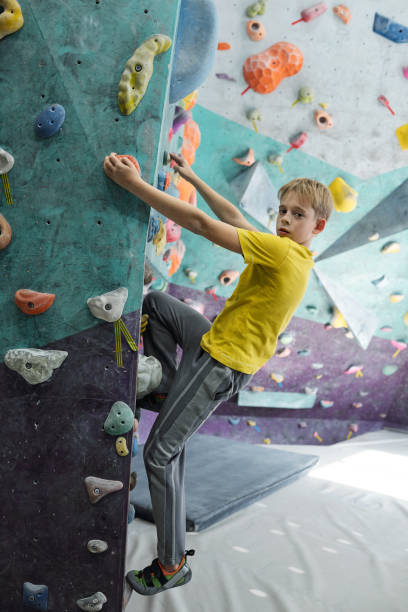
<point>244,334</point>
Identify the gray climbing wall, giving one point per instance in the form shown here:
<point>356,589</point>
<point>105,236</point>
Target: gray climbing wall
<point>77,235</point>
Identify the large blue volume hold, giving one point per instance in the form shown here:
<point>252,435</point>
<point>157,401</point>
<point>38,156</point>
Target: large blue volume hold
<point>49,121</point>
<point>196,44</point>
<point>390,29</point>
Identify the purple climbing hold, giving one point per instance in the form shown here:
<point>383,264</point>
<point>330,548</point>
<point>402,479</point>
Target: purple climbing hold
<point>181,117</point>
<point>49,121</point>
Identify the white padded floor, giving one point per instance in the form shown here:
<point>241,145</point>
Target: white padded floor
<point>316,545</point>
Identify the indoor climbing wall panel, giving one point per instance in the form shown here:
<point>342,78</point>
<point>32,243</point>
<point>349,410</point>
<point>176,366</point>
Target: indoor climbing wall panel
<point>77,235</point>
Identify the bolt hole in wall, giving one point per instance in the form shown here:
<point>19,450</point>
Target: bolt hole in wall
<point>146,11</point>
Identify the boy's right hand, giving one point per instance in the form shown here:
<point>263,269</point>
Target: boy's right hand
<point>182,167</point>
<point>120,170</point>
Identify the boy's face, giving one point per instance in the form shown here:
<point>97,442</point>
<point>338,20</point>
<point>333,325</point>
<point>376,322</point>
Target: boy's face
<point>297,220</point>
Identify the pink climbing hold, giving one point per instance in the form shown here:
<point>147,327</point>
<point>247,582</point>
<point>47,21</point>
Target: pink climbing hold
<point>211,291</point>
<point>385,102</point>
<point>298,141</point>
<point>173,231</point>
<point>405,71</point>
<point>400,346</point>
<point>246,160</point>
<point>311,13</point>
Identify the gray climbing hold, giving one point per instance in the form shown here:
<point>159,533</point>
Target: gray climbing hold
<point>35,596</point>
<point>119,420</point>
<point>99,487</point>
<point>6,163</point>
<point>303,352</point>
<point>311,309</point>
<point>317,366</point>
<point>149,375</point>
<point>388,370</point>
<point>108,306</point>
<point>93,603</point>
<point>34,365</point>
<point>286,338</point>
<point>97,546</point>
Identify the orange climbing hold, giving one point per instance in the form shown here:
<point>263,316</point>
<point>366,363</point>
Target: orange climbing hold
<point>33,302</point>
<point>247,160</point>
<point>133,160</point>
<point>264,71</point>
<point>186,190</point>
<point>255,30</point>
<point>343,12</point>
<point>191,140</point>
<point>5,232</point>
<point>223,46</point>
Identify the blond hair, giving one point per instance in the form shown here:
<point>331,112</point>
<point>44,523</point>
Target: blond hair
<point>317,194</point>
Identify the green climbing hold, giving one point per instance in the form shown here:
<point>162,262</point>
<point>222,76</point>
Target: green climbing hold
<point>119,419</point>
<point>257,8</point>
<point>389,369</point>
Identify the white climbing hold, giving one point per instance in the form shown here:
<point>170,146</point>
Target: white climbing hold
<point>6,161</point>
<point>108,306</point>
<point>34,365</point>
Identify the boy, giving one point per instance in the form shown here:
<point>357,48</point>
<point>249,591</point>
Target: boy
<point>219,358</point>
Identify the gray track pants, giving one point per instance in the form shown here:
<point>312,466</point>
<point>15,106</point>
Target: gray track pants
<point>194,391</point>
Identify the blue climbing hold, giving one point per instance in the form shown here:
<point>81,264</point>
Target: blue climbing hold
<point>134,446</point>
<point>35,596</point>
<point>154,225</point>
<point>390,29</point>
<point>196,44</point>
<point>234,420</point>
<point>131,513</point>
<point>161,179</point>
<point>49,121</point>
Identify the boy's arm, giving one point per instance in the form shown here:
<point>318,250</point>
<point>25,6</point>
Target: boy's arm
<point>223,208</point>
<point>123,172</point>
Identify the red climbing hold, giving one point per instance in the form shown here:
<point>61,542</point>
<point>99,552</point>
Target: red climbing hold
<point>33,302</point>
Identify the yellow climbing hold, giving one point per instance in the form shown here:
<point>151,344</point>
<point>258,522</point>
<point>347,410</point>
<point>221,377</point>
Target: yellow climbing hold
<point>11,19</point>
<point>405,318</point>
<point>402,135</point>
<point>121,446</point>
<point>251,423</point>
<point>267,441</point>
<point>344,196</point>
<point>278,378</point>
<point>396,297</point>
<point>159,239</point>
<point>189,101</point>
<point>338,320</point>
<point>391,247</point>
<point>138,71</point>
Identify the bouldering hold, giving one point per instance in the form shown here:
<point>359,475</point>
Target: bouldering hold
<point>195,305</point>
<point>286,338</point>
<point>225,77</point>
<point>154,225</point>
<point>319,376</point>
<point>108,306</point>
<point>311,309</point>
<point>211,291</point>
<point>189,101</point>
<point>234,420</point>
<point>254,115</point>
<point>355,369</point>
<point>386,328</point>
<point>402,135</point>
<point>186,191</point>
<point>257,8</point>
<point>342,12</point>
<point>326,403</point>
<point>305,96</point>
<point>191,274</point>
<point>223,46</point>
<point>11,18</point>
<point>267,441</point>
<point>391,247</point>
<point>93,603</point>
<point>388,370</point>
<point>344,196</point>
<point>149,375</point>
<point>297,141</point>
<point>35,595</point>
<point>374,237</point>
<point>317,366</point>
<point>390,29</point>
<point>97,546</point>
<point>228,276</point>
<point>181,117</point>
<point>396,297</point>
<point>399,345</point>
<point>6,159</point>
<point>99,487</point>
<point>278,378</point>
<point>34,365</point>
<point>264,71</point>
<point>357,405</point>
<point>5,232</point>
<point>302,425</point>
<point>380,282</point>
<point>323,105</point>
<point>283,352</point>
<point>191,141</point>
<point>133,160</point>
<point>364,393</point>
<point>33,302</point>
<point>255,30</point>
<point>121,446</point>
<point>303,352</point>
<point>119,420</point>
<point>316,435</point>
<point>276,160</point>
<point>132,481</point>
<point>173,231</point>
<point>338,321</point>
<point>323,120</point>
<point>353,427</point>
<point>131,513</point>
<point>256,388</point>
<point>251,422</point>
<point>311,13</point>
<point>405,71</point>
<point>49,121</point>
<point>246,160</point>
<point>310,390</point>
<point>385,102</point>
<point>159,284</point>
<point>135,446</point>
<point>173,256</point>
<point>138,72</point>
<point>405,318</point>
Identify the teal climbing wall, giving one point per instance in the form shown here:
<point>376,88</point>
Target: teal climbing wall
<point>77,235</point>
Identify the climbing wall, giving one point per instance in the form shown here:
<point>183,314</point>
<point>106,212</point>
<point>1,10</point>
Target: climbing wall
<point>77,235</point>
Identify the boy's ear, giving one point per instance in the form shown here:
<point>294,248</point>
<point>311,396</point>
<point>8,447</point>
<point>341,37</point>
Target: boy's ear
<point>320,225</point>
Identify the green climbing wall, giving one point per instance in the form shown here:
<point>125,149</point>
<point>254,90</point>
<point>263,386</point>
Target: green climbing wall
<point>77,235</point>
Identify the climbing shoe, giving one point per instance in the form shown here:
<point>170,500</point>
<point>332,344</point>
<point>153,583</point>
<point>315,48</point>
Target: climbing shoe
<point>154,579</point>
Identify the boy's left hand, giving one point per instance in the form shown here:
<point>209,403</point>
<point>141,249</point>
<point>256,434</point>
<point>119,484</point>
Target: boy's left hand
<point>120,170</point>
